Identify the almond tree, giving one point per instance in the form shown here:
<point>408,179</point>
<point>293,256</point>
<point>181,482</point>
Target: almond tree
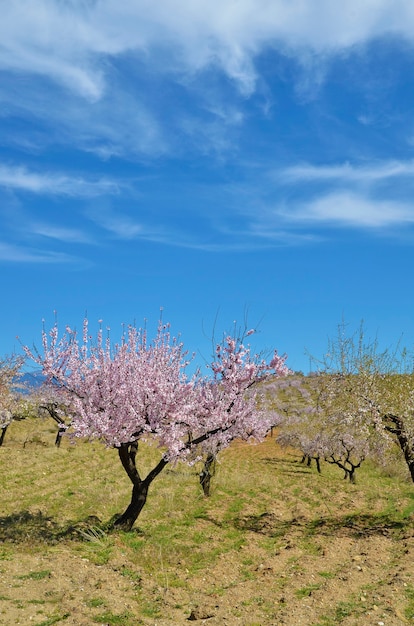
<point>294,410</point>
<point>138,390</point>
<point>5,421</point>
<point>232,396</point>
<point>372,390</point>
<point>49,401</point>
<point>9,372</point>
<point>322,418</point>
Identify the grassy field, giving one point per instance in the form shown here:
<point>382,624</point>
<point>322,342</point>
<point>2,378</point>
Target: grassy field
<point>275,544</point>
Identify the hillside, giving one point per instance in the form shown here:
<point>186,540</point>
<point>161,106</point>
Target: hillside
<point>276,543</point>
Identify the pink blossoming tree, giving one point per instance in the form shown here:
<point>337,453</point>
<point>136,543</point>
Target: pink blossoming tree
<point>9,373</point>
<point>138,390</point>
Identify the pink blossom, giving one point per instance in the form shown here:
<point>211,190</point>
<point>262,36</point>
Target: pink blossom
<point>139,388</point>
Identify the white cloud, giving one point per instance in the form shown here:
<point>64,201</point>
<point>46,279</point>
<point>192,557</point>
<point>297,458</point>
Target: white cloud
<point>71,43</point>
<point>364,173</point>
<point>351,209</point>
<point>118,124</point>
<point>108,60</point>
<point>67,235</point>
<point>116,223</point>
<point>20,178</point>
<point>18,254</point>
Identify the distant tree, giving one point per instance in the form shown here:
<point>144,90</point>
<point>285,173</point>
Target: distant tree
<point>138,390</point>
<point>9,373</point>
<point>347,453</point>
<point>370,392</point>
<point>327,425</point>
<point>5,421</point>
<point>292,404</point>
<point>53,402</point>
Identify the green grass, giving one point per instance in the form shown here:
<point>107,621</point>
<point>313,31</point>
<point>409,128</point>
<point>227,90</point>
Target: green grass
<point>95,602</point>
<point>122,619</point>
<point>409,609</point>
<point>305,592</point>
<point>340,612</point>
<point>35,575</point>
<point>326,575</point>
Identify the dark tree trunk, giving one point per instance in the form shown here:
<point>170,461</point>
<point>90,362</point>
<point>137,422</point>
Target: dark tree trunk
<point>409,459</point>
<point>127,454</point>
<point>207,472</point>
<point>347,467</point>
<point>51,409</point>
<point>308,459</point>
<point>131,513</point>
<point>3,433</point>
<point>59,435</point>
<point>406,444</point>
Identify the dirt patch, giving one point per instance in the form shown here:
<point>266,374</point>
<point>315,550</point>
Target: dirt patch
<point>363,576</point>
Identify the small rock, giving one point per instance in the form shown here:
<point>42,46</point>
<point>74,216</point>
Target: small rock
<point>200,613</point>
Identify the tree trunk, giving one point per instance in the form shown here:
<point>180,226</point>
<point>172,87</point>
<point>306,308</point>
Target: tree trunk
<point>51,409</point>
<point>127,454</point>
<point>352,478</point>
<point>3,433</point>
<point>406,444</point>
<point>138,500</point>
<point>60,433</point>
<point>207,472</point>
<point>409,459</point>
<point>408,451</point>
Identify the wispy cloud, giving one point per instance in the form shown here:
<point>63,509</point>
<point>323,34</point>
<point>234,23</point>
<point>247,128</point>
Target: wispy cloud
<point>347,172</point>
<point>70,42</point>
<point>369,195</point>
<point>20,178</point>
<point>122,123</point>
<point>115,222</point>
<point>19,254</point>
<point>67,235</point>
<point>351,210</point>
<point>95,72</point>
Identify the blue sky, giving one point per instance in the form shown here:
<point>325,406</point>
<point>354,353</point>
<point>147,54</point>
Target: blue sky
<point>248,161</point>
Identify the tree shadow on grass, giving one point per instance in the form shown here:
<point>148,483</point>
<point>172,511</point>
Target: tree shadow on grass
<point>24,527</point>
<point>354,525</point>
<point>291,466</point>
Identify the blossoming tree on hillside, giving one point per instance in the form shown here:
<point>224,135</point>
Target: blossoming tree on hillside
<point>139,390</point>
<point>9,372</point>
<point>369,394</point>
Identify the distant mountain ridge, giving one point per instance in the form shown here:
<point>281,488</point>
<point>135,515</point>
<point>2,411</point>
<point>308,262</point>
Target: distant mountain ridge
<point>29,381</point>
